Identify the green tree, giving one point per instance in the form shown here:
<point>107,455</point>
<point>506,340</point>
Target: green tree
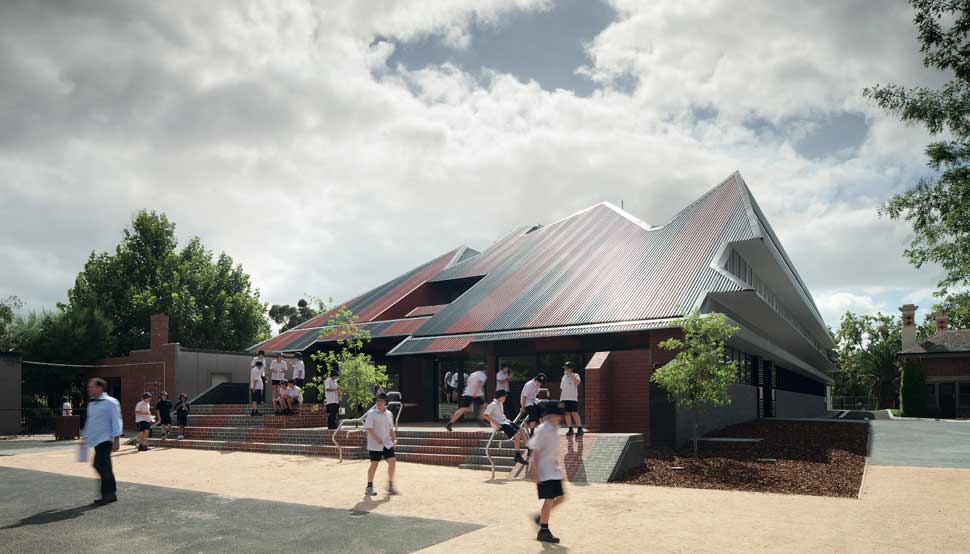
<point>210,300</point>
<point>359,375</point>
<point>938,207</point>
<point>8,310</point>
<point>698,377</point>
<point>66,335</point>
<point>289,317</point>
<point>912,390</point>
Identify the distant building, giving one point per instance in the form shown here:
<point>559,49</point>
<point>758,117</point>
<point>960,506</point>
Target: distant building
<point>946,357</point>
<point>601,288</point>
<point>170,367</point>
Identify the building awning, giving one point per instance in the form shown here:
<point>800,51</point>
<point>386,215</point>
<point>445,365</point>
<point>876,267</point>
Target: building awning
<point>297,340</point>
<point>457,343</point>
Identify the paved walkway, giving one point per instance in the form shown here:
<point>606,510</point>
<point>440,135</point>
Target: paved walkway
<point>923,443</point>
<point>900,510</point>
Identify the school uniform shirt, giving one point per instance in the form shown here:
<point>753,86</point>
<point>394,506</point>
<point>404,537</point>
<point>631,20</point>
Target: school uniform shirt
<point>331,397</point>
<point>66,409</point>
<point>496,412</point>
<point>262,372</point>
<point>381,423</point>
<point>142,407</point>
<point>530,391</point>
<point>570,390</point>
<point>299,370</point>
<point>277,370</point>
<point>295,392</point>
<point>164,408</point>
<point>448,379</point>
<point>545,444</point>
<point>502,381</point>
<point>454,380</point>
<point>256,378</point>
<point>474,383</point>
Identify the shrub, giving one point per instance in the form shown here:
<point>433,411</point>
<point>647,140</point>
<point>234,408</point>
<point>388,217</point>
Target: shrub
<point>912,390</point>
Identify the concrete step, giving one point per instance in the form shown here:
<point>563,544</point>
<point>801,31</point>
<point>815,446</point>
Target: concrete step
<point>293,421</point>
<point>486,467</point>
<point>276,448</point>
<point>457,450</point>
<point>267,434</point>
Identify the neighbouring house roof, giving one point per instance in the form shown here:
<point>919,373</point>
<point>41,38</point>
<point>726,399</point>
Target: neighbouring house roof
<point>951,341</point>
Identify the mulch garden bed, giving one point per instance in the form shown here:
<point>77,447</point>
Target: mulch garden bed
<point>810,457</point>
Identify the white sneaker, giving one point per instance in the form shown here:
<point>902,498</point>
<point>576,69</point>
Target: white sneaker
<point>180,437</point>
<point>391,490</point>
<point>370,491</point>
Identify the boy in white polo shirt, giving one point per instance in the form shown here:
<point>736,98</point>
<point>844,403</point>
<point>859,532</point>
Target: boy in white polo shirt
<point>471,398</point>
<point>277,370</point>
<point>544,458</point>
<point>144,420</point>
<point>331,395</point>
<point>495,414</point>
<point>256,386</point>
<point>570,398</point>
<point>528,401</point>
<point>381,438</point>
<point>299,370</point>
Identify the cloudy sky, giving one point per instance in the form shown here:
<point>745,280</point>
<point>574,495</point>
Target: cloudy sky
<point>329,146</point>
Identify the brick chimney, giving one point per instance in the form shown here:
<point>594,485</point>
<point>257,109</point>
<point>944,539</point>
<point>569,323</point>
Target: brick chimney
<point>942,320</point>
<point>909,325</point>
<point>159,330</point>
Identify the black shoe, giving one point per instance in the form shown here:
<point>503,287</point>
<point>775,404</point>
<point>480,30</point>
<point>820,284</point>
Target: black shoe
<point>546,535</point>
<point>448,427</point>
<point>579,432</point>
<point>569,432</point>
<point>519,459</point>
<point>103,501</point>
<point>538,519</point>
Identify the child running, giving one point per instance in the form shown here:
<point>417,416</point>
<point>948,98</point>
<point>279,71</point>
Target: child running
<point>182,414</point>
<point>544,457</point>
<point>471,398</point>
<point>495,414</point>
<point>381,438</point>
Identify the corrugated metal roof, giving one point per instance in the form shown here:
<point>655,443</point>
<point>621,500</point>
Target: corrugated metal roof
<point>600,265</point>
<point>296,340</point>
<point>425,310</point>
<point>455,343</point>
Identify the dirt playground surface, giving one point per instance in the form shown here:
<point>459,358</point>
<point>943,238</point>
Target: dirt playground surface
<point>900,510</point>
<point>805,457</point>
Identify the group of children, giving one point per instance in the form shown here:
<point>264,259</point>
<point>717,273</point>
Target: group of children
<point>144,418</point>
<point>287,396</point>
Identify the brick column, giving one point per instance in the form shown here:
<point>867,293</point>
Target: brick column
<point>596,383</point>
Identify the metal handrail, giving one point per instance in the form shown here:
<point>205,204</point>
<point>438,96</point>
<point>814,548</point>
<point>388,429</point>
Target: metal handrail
<point>359,421</point>
<point>488,445</point>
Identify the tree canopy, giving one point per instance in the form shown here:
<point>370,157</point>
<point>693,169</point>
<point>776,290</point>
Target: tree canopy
<point>8,309</point>
<point>938,207</point>
<point>210,300</point>
<point>289,317</point>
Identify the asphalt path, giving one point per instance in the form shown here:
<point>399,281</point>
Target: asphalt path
<point>920,443</point>
<point>49,512</point>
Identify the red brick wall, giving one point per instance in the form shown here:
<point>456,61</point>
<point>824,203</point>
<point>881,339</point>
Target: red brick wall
<point>596,398</point>
<point>136,379</point>
<point>946,367</point>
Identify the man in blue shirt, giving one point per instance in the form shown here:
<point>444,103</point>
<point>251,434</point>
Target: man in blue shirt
<point>101,431</point>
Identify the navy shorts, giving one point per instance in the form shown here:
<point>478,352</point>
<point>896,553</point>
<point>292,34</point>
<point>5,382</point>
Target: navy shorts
<point>279,381</point>
<point>183,420</point>
<point>549,490</point>
<point>378,455</point>
<point>257,395</point>
<point>467,401</point>
<point>166,419</point>
<point>533,413</point>
<point>571,406</point>
<point>144,426</point>
<point>510,429</point>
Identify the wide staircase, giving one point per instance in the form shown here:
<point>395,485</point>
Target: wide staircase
<point>229,427</point>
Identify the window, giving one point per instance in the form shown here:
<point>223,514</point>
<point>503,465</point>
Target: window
<point>551,365</point>
<point>521,368</point>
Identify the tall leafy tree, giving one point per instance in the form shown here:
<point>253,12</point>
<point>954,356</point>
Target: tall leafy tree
<point>938,207</point>
<point>289,317</point>
<point>698,377</point>
<point>8,309</point>
<point>210,300</point>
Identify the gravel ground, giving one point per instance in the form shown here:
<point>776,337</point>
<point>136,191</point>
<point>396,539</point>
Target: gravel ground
<point>811,458</point>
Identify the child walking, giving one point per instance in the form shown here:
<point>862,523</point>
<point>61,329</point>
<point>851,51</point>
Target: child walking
<point>544,457</point>
<point>381,438</point>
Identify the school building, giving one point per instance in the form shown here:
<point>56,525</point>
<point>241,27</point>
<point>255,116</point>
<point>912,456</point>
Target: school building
<point>602,289</point>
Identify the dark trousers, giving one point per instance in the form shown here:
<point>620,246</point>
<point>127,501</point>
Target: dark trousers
<point>102,464</point>
<point>332,411</point>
